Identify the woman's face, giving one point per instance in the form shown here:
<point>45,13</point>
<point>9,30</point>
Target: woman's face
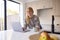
<point>29,13</point>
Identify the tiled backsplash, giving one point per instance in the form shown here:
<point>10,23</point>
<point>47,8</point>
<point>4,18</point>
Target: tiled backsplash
<point>57,28</point>
<point>48,27</point>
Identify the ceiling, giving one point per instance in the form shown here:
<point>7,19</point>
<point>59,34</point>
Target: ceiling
<point>30,0</point>
<point>25,0</point>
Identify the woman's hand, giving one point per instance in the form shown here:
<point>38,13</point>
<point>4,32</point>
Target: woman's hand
<point>24,28</point>
<point>37,29</point>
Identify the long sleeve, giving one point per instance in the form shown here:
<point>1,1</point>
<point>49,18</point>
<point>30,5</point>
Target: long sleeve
<point>37,22</point>
<point>25,26</point>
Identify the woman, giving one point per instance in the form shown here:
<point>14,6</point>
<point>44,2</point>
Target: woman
<point>31,20</point>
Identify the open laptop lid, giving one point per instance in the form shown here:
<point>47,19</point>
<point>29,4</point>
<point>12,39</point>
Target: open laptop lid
<point>17,26</point>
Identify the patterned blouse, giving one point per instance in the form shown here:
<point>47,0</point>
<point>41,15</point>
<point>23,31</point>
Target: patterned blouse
<point>34,21</point>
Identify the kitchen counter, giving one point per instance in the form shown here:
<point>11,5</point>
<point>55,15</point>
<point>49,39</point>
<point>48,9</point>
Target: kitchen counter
<point>12,35</point>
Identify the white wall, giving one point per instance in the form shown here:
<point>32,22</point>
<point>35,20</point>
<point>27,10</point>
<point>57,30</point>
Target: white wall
<point>39,5</point>
<point>45,15</point>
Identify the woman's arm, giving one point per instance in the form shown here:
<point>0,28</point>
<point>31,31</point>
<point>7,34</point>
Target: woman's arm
<point>37,23</point>
<point>25,26</point>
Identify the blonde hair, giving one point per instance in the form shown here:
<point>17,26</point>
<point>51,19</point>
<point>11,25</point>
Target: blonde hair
<point>31,9</point>
<point>27,17</point>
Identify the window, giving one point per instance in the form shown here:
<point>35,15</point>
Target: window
<point>13,11</point>
<point>10,11</point>
<point>1,15</point>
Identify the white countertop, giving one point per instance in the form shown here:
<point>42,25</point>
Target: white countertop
<point>12,35</point>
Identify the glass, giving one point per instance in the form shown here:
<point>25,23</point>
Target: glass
<point>1,15</point>
<point>12,13</point>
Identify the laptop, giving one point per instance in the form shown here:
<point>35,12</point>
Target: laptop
<point>17,26</point>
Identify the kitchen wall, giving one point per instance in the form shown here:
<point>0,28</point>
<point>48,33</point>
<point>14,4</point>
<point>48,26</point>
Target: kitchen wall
<point>43,4</point>
<point>39,5</point>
